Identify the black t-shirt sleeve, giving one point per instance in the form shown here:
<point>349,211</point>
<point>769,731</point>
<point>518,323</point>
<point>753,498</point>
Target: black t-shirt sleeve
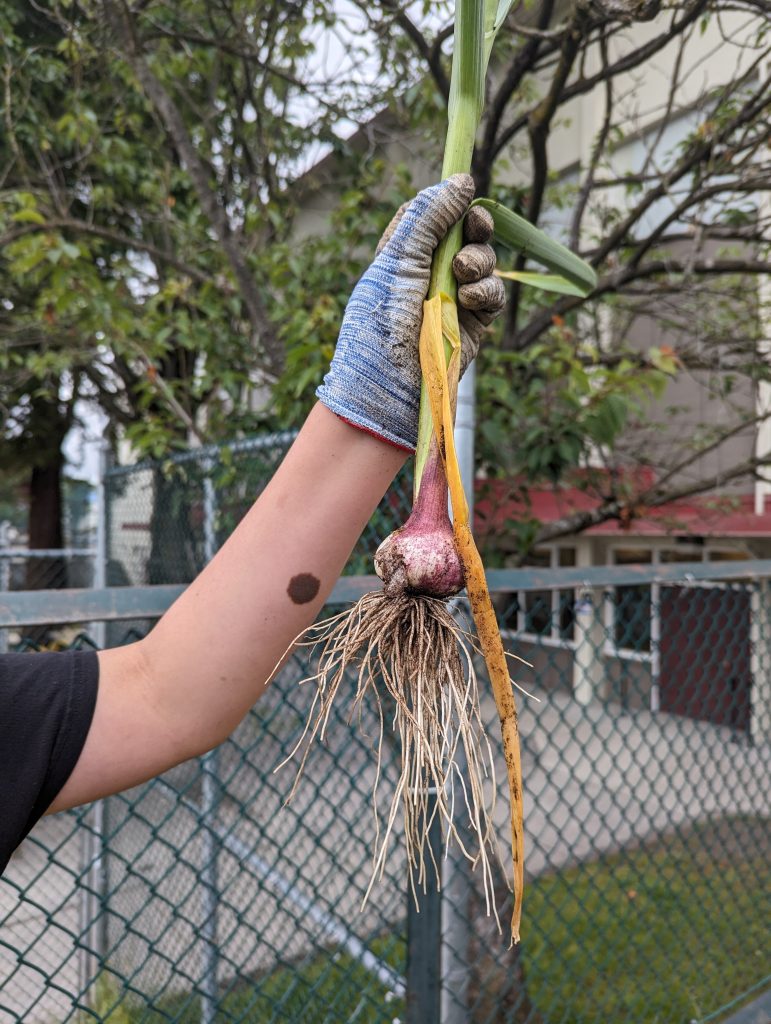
<point>46,706</point>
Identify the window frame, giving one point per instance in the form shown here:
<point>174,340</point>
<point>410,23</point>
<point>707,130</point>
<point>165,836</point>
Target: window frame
<point>553,638</point>
<point>610,648</point>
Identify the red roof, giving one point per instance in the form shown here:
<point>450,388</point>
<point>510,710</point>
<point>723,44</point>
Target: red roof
<point>704,516</point>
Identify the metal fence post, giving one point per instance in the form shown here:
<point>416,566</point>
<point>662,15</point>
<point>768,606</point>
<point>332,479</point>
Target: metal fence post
<point>209,802</point>
<point>655,704</point>
<point>5,576</point>
<point>99,575</point>
<point>95,890</point>
<point>210,887</point>
<point>424,934</point>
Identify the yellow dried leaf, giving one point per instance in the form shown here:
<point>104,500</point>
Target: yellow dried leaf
<point>440,329</point>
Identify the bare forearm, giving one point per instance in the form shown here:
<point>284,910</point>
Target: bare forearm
<point>187,685</point>
<point>213,652</point>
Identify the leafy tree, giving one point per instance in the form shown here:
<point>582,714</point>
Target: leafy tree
<point>154,213</point>
<point>670,203</point>
<point>133,230</point>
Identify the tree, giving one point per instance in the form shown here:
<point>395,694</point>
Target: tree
<point>151,196</point>
<point>137,197</point>
<point>671,205</point>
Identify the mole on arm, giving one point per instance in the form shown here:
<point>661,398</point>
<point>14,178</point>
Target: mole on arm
<point>303,588</point>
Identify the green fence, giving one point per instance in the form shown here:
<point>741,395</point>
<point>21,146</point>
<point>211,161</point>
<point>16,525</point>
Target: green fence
<point>200,897</point>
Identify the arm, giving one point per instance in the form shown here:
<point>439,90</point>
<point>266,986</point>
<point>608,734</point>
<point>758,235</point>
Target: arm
<point>185,687</point>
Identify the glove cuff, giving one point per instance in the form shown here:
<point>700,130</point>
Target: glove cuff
<point>357,414</point>
<point>386,440</point>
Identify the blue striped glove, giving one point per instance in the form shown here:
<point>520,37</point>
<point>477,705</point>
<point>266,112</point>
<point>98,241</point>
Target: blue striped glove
<point>374,379</point>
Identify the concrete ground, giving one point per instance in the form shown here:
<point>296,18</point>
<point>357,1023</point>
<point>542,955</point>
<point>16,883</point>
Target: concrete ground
<point>597,778</point>
<point>756,1012</point>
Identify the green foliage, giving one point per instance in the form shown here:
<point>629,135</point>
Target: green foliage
<point>115,283</point>
<point>107,1002</point>
<point>334,985</point>
<point>543,282</point>
<point>628,921</point>
<point>117,288</point>
<point>521,236</point>
<point>312,279</point>
<point>544,410</point>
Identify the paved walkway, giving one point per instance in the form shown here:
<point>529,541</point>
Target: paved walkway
<point>597,778</point>
<point>757,1012</point>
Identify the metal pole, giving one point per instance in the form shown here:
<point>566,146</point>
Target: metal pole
<point>210,882</point>
<point>456,870</point>
<point>655,647</point>
<point>99,811</point>
<point>424,934</point>
<point>98,629</point>
<point>95,894</point>
<point>209,514</point>
<point>5,576</point>
<point>209,802</point>
<point>465,420</point>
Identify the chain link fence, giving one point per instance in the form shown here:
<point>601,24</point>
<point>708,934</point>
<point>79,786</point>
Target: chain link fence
<point>160,516</point>
<point>23,568</point>
<point>200,897</point>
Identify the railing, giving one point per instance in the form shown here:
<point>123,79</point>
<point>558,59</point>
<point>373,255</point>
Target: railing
<point>43,568</point>
<point>200,896</point>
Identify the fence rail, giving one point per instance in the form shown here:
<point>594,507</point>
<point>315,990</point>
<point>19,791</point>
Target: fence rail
<point>200,897</point>
<point>115,603</point>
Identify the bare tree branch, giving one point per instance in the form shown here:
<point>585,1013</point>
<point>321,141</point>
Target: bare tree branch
<point>519,67</point>
<point>652,498</point>
<point>615,282</point>
<point>252,55</point>
<point>597,151</point>
<point>626,63</point>
<point>432,55</point>
<point>119,18</point>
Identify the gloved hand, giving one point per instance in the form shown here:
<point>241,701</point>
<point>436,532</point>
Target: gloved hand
<point>374,379</point>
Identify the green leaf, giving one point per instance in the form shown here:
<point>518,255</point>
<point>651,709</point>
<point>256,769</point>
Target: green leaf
<point>519,234</point>
<point>28,259</point>
<point>664,359</point>
<point>70,250</point>
<point>546,282</point>
<point>496,12</point>
<point>28,216</point>
<point>504,6</point>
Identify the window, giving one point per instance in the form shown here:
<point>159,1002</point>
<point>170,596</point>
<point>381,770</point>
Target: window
<point>548,614</point>
<point>537,603</point>
<point>566,598</point>
<point>632,604</point>
<point>633,617</point>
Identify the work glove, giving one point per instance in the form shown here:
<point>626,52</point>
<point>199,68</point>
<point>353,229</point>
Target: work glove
<point>374,379</point>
